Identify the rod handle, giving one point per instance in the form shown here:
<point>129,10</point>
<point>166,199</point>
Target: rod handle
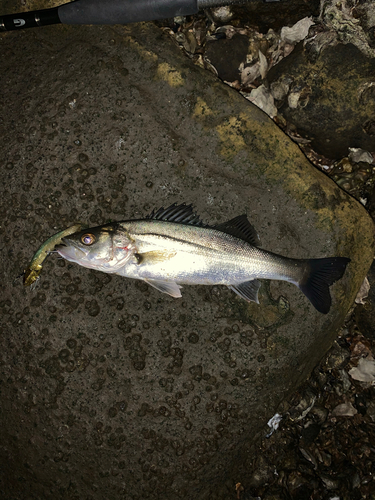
<point>124,11</point>
<point>32,19</point>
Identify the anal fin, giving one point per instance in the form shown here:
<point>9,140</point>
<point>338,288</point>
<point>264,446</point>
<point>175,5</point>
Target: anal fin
<point>169,287</point>
<point>247,290</point>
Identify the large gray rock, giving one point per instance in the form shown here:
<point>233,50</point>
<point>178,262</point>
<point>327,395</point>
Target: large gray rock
<point>110,389</point>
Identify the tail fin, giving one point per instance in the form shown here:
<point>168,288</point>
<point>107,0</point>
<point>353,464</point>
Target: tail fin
<point>322,274</point>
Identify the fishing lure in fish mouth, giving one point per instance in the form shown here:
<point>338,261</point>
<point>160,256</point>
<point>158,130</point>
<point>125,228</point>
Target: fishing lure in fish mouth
<point>173,247</point>
<point>32,273</point>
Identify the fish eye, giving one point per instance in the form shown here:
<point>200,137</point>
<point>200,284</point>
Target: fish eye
<point>88,239</point>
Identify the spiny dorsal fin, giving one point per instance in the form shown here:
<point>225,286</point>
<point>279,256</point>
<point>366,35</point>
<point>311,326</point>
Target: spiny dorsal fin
<point>241,228</point>
<point>183,214</point>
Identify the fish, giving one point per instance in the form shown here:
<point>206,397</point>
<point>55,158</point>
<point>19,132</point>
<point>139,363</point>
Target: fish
<point>32,273</point>
<point>172,247</point>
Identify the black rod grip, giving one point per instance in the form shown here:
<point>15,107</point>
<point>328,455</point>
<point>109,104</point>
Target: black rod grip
<point>29,19</point>
<point>124,11</point>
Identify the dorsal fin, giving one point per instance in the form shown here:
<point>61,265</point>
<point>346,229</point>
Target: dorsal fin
<point>183,214</point>
<point>241,228</point>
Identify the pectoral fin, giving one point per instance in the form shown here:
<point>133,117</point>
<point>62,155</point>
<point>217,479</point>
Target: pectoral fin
<point>248,290</point>
<point>153,257</point>
<point>169,287</point>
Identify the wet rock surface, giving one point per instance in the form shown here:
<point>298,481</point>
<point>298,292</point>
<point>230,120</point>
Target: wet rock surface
<point>108,387</point>
<point>334,110</point>
<point>324,445</point>
<point>227,55</point>
<point>265,15</point>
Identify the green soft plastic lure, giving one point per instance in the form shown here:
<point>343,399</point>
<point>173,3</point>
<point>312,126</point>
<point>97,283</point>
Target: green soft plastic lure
<point>32,273</point>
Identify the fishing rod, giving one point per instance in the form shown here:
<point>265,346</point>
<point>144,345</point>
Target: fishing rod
<point>109,12</point>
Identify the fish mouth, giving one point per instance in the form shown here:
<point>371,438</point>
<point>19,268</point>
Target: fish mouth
<point>70,250</point>
<point>60,247</point>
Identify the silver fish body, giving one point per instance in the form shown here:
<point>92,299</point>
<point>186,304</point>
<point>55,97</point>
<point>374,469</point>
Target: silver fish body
<point>172,247</point>
<point>201,256</point>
